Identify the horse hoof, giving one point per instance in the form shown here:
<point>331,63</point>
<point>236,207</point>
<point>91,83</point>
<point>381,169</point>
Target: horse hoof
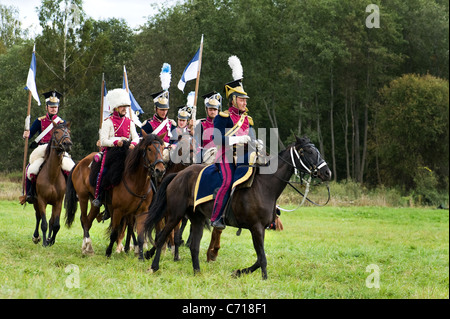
<point>36,239</point>
<point>151,270</point>
<point>120,249</point>
<point>86,247</point>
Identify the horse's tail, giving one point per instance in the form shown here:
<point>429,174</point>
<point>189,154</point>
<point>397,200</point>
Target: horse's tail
<point>70,200</point>
<point>158,207</point>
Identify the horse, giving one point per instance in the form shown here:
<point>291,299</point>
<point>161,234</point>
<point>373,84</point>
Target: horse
<point>51,184</point>
<point>129,198</point>
<point>254,207</point>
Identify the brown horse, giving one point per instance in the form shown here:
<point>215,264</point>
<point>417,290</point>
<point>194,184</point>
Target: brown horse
<point>254,207</point>
<point>51,184</point>
<point>129,198</point>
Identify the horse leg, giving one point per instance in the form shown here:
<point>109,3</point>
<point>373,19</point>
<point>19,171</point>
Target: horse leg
<point>197,224</point>
<point>258,243</point>
<point>214,245</point>
<point>54,223</point>
<point>130,232</point>
<point>161,240</point>
<point>86,224</point>
<point>44,224</point>
<point>119,240</point>
<point>177,242</point>
<point>36,238</point>
<point>140,221</point>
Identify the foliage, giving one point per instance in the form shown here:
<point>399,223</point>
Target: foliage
<point>310,67</point>
<point>412,129</point>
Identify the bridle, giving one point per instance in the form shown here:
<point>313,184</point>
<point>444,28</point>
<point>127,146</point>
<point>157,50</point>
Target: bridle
<point>57,143</point>
<point>151,166</point>
<point>307,167</point>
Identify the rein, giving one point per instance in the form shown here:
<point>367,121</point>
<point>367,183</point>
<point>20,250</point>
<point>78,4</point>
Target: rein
<point>311,170</point>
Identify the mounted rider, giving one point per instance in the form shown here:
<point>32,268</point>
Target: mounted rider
<point>160,124</point>
<point>236,129</point>
<point>205,134</point>
<point>43,126</point>
<point>116,129</point>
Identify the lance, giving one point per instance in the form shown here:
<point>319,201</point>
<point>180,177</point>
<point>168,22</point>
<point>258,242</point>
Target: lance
<point>194,109</point>
<point>102,95</point>
<point>25,150</point>
<point>125,79</point>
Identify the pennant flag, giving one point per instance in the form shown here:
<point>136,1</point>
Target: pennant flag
<point>31,79</point>
<point>106,111</point>
<point>191,70</point>
<point>134,104</point>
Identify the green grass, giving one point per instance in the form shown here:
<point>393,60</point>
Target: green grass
<point>322,253</point>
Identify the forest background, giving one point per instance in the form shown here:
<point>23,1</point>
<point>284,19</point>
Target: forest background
<point>370,87</point>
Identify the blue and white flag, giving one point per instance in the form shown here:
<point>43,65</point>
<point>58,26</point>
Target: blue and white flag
<point>134,104</point>
<point>106,111</point>
<point>31,82</point>
<point>191,70</point>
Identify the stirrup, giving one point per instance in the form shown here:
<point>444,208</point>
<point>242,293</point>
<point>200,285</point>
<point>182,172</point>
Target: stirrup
<point>96,202</point>
<point>218,223</point>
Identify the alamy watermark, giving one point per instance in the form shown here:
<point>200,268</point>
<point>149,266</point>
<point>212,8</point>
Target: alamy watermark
<point>373,280</point>
<point>373,19</point>
<point>73,278</point>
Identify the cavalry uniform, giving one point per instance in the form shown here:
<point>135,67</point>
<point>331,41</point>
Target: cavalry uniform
<point>161,124</point>
<point>115,129</point>
<point>236,128</point>
<point>43,126</point>
<point>208,150</point>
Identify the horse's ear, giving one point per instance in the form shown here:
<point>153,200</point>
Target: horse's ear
<point>163,136</point>
<point>68,124</point>
<point>144,133</point>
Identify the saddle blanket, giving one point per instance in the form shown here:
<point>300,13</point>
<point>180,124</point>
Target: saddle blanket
<point>210,179</point>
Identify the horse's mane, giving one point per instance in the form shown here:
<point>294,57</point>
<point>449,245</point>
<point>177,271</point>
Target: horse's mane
<point>132,162</point>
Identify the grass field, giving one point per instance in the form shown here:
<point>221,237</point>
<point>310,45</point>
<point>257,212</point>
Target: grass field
<point>326,252</point>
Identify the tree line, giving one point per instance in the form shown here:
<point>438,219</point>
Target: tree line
<point>373,97</point>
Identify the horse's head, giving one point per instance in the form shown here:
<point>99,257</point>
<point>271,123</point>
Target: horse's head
<point>308,159</point>
<point>184,151</point>
<point>152,147</point>
<point>61,140</point>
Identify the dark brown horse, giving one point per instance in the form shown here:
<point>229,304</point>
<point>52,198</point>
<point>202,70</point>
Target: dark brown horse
<point>129,198</point>
<point>254,207</point>
<point>51,184</point>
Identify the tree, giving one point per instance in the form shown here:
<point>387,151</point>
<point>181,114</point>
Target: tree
<point>412,129</point>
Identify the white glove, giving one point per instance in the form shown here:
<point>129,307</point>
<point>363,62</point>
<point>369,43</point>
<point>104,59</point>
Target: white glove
<point>259,145</point>
<point>238,139</point>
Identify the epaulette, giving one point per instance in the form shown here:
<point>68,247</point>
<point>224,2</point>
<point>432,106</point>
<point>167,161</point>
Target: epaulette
<point>42,117</point>
<point>225,113</point>
<point>250,120</point>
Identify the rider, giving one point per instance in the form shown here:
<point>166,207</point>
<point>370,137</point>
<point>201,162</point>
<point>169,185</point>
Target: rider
<point>236,128</point>
<point>43,126</point>
<point>160,124</point>
<point>213,102</point>
<point>115,129</point>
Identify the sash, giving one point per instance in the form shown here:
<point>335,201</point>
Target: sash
<point>161,126</point>
<point>48,129</point>
<point>237,126</point>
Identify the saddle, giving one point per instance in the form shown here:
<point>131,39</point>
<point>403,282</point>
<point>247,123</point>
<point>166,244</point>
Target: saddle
<point>113,168</point>
<point>209,181</point>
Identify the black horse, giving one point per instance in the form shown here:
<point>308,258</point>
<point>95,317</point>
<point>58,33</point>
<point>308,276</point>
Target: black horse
<point>254,207</point>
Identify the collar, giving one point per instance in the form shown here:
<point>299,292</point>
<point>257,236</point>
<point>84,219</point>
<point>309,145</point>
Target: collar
<point>52,117</point>
<point>157,118</point>
<point>234,110</point>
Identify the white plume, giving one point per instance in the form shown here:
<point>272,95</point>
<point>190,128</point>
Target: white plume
<point>236,67</point>
<point>190,98</point>
<point>165,76</point>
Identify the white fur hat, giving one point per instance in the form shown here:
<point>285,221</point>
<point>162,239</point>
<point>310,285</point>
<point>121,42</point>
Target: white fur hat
<point>118,97</point>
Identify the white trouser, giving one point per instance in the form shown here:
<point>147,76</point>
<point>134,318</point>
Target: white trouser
<point>37,159</point>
